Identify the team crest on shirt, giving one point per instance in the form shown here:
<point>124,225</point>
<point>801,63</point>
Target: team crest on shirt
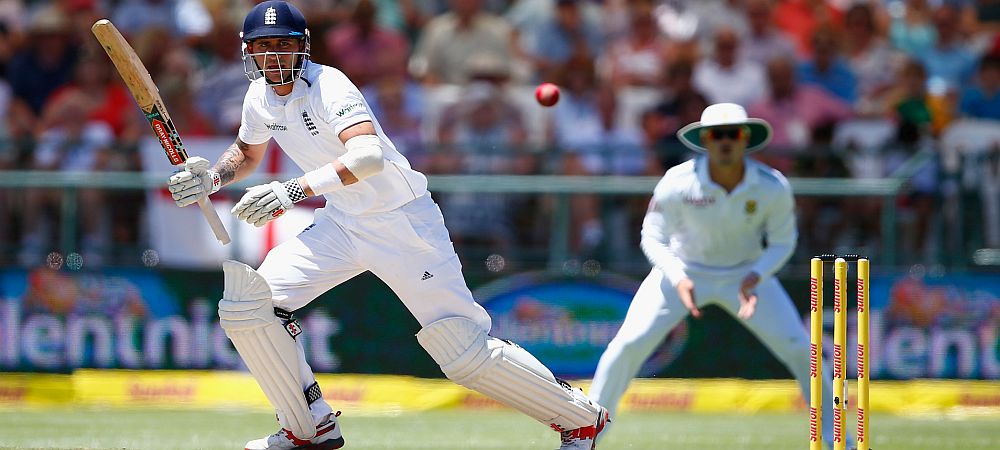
<point>750,207</point>
<point>308,122</point>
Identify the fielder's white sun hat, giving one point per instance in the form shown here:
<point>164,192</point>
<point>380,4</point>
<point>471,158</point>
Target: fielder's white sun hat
<point>725,114</point>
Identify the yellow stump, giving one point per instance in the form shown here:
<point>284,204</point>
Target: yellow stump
<point>864,349</point>
<point>816,355</point>
<point>839,353</point>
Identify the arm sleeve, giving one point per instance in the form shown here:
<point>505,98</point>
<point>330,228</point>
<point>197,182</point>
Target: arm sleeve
<point>781,233</point>
<point>657,227</point>
<point>343,104</point>
<point>252,129</point>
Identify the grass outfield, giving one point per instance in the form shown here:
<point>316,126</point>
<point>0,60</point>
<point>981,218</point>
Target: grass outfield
<point>465,430</point>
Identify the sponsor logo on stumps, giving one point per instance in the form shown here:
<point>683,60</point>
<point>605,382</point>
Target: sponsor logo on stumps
<point>813,360</point>
<point>813,425</point>
<point>814,294</point>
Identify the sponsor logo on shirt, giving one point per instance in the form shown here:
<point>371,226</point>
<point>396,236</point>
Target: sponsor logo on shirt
<point>348,108</point>
<point>276,127</point>
<point>699,201</point>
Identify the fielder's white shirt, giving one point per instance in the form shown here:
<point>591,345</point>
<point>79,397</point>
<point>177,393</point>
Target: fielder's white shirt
<point>307,123</point>
<point>693,224</point>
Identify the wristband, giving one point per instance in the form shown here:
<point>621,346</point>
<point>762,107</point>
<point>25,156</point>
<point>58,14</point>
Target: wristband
<point>323,180</point>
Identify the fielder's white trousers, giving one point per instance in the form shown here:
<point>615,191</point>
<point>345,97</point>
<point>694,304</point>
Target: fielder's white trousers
<point>409,249</point>
<point>656,309</point>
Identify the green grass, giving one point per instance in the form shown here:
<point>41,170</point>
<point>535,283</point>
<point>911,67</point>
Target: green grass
<point>464,430</point>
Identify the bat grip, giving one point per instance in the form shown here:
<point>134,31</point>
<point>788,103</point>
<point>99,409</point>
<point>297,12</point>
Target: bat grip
<point>214,221</point>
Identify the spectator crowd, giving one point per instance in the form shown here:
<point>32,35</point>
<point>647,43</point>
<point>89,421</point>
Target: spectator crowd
<point>853,89</point>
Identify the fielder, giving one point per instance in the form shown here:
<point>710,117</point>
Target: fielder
<point>378,217</point>
<point>704,234</point>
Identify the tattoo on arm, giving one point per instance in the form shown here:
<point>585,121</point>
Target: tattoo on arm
<point>230,162</point>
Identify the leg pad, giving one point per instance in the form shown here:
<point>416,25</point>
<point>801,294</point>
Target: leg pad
<point>266,346</point>
<point>505,372</point>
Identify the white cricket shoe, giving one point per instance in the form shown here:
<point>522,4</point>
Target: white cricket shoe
<point>585,438</point>
<point>328,437</point>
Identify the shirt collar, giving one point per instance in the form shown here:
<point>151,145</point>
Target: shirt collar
<point>750,176</point>
<point>299,87</point>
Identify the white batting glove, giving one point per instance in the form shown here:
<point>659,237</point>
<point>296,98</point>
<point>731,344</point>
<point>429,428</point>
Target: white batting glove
<point>193,183</point>
<point>266,202</point>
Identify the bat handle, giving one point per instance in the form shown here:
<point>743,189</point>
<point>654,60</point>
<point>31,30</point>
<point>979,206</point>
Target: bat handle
<point>213,220</point>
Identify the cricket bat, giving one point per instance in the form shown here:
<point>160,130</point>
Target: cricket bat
<point>147,96</point>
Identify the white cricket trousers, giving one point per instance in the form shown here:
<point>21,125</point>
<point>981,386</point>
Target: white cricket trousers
<point>656,309</point>
<point>408,248</point>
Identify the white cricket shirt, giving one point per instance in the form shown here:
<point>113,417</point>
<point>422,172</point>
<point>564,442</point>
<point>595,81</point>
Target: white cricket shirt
<point>307,123</point>
<point>693,224</point>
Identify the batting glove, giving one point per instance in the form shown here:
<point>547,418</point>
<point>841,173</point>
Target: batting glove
<point>193,183</point>
<point>266,202</point>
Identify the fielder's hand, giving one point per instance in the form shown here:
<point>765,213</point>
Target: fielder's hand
<point>685,289</point>
<point>193,183</point>
<point>266,202</point>
<point>748,295</point>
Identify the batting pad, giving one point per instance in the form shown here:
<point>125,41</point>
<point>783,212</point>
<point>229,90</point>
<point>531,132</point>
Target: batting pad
<point>505,372</point>
<point>267,348</point>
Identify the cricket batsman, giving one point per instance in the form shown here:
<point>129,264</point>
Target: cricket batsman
<point>378,217</point>
<point>717,230</point>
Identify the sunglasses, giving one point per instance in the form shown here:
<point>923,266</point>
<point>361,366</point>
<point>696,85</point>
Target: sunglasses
<point>718,134</point>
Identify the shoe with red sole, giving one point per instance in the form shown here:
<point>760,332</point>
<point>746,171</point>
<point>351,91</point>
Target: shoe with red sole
<point>585,438</point>
<point>328,437</point>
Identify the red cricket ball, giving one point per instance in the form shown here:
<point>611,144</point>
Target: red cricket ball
<point>547,94</point>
